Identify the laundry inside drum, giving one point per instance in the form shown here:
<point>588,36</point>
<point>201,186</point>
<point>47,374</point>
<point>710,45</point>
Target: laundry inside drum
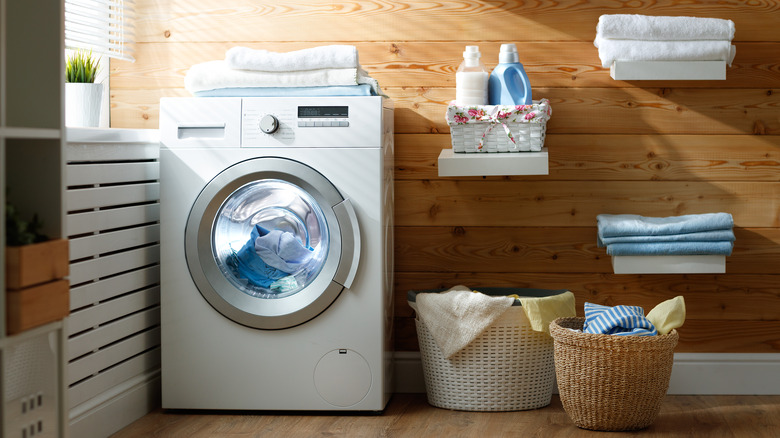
<point>270,239</point>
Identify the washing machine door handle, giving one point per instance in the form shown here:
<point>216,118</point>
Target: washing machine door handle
<point>350,243</point>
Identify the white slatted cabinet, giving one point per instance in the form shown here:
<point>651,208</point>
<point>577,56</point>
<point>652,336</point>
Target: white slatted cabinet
<point>113,331</point>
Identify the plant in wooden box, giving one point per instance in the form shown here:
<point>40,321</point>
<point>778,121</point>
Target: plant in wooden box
<point>82,95</point>
<point>35,267</point>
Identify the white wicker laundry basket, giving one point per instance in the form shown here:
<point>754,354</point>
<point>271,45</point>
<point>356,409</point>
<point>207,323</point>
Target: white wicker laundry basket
<point>495,128</point>
<point>509,367</point>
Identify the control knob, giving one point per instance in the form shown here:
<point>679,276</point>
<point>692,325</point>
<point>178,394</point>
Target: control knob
<point>269,124</point>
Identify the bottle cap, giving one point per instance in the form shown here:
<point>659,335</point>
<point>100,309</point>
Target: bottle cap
<point>472,52</point>
<point>508,54</point>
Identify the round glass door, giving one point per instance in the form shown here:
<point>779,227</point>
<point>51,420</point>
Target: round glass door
<point>268,241</point>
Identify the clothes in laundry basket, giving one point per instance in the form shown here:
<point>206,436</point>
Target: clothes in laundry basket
<point>668,315</point>
<point>618,320</point>
<point>270,256</point>
<point>456,317</point>
<point>541,311</point>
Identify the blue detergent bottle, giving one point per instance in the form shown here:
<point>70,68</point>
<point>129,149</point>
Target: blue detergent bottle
<point>508,83</point>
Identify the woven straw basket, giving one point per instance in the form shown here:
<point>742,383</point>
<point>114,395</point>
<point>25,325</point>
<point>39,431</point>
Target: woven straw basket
<point>509,367</point>
<point>611,382</point>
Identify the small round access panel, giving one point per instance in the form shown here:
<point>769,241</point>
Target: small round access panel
<point>342,377</point>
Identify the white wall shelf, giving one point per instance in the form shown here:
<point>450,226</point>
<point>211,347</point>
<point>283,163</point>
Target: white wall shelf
<point>671,264</point>
<point>668,70</point>
<point>490,164</point>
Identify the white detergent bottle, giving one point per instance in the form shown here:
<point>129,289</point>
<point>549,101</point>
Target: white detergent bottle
<point>508,84</point>
<point>471,79</point>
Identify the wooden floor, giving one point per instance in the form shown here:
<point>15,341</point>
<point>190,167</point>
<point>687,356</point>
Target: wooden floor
<point>409,415</point>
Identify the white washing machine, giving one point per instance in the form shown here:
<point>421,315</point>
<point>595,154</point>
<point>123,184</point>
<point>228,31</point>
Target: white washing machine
<point>276,242</point>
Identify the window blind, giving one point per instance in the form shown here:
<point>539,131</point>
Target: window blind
<point>103,26</point>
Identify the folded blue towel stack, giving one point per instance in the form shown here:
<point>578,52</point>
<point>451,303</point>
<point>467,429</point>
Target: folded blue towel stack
<point>694,234</point>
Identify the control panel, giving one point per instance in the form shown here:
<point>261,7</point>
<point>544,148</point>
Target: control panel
<point>323,116</point>
<point>310,122</point>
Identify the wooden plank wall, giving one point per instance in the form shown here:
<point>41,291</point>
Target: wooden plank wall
<point>656,148</point>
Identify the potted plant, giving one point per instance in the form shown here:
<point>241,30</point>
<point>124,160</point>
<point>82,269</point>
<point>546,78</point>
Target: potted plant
<point>35,267</point>
<point>82,95</point>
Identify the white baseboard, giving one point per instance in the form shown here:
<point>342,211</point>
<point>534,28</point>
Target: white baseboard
<point>116,408</point>
<point>693,373</point>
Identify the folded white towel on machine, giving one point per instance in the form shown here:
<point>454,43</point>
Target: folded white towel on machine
<point>635,50</point>
<point>314,58</point>
<point>213,75</point>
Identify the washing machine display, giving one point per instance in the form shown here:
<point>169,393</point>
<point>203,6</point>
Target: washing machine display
<point>271,243</point>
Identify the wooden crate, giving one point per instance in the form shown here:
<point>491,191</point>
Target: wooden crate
<point>36,293</point>
<point>37,263</point>
<point>36,305</point>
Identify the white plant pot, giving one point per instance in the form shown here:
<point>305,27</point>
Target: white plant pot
<point>82,104</point>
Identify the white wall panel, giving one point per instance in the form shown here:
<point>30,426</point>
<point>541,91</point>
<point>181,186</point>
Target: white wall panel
<point>113,354</point>
<point>80,199</point>
<point>94,269</point>
<point>113,226</point>
<point>104,289</point>
<point>92,221</point>
<point>96,244</point>
<point>106,173</point>
<point>149,360</point>
<point>98,316</point>
<point>82,344</point>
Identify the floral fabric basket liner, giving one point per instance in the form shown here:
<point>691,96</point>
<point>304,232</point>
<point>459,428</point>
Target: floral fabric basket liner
<point>498,128</point>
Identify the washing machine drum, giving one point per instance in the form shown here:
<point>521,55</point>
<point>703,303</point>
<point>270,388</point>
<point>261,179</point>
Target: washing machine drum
<point>271,243</point>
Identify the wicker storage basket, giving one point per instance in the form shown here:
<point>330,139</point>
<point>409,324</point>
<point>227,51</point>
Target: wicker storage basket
<point>611,382</point>
<point>486,128</point>
<point>509,367</point>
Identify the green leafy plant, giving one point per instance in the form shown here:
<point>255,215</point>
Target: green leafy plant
<point>80,66</point>
<point>20,232</point>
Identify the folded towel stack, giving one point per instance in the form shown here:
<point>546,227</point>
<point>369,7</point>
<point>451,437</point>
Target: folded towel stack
<point>318,71</point>
<point>628,37</point>
<point>695,234</point>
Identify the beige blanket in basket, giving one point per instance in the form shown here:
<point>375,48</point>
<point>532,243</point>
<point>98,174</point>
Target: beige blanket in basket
<point>456,317</point>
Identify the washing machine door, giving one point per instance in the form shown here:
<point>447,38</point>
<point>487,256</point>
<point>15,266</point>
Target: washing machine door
<point>271,243</point>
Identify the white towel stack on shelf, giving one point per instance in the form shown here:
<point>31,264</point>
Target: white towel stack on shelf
<point>316,71</point>
<point>626,37</point>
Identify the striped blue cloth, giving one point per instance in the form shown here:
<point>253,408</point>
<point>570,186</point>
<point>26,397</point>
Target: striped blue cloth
<point>618,320</point>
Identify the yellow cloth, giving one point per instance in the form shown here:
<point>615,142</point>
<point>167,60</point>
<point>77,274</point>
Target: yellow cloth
<point>668,315</point>
<point>542,311</point>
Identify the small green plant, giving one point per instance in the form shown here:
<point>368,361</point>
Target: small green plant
<point>20,232</point>
<point>81,67</point>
